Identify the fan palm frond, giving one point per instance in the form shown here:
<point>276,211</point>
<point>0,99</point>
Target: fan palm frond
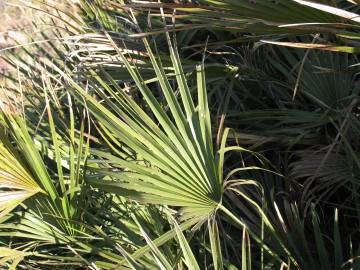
<point>16,182</point>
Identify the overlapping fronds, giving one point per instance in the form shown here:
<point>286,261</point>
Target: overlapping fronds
<point>115,152</point>
<point>265,18</point>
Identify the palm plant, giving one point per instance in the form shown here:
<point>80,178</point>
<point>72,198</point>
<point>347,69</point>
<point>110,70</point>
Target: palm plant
<point>173,162</point>
<point>117,157</point>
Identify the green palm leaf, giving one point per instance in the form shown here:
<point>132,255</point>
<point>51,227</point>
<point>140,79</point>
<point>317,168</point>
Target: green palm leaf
<point>183,166</point>
<point>162,157</point>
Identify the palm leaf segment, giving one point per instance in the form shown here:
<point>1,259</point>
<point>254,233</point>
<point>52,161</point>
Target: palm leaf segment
<point>181,168</point>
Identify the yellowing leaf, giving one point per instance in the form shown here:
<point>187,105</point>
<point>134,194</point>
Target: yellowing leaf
<point>7,254</point>
<point>324,47</point>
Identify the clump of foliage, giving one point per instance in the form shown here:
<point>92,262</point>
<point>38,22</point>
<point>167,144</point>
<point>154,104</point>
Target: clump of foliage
<point>183,135</point>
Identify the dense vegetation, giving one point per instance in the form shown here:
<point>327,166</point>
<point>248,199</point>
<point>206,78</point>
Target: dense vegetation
<point>208,134</point>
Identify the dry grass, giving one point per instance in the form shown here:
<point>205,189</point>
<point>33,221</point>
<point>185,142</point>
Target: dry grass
<point>21,25</point>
